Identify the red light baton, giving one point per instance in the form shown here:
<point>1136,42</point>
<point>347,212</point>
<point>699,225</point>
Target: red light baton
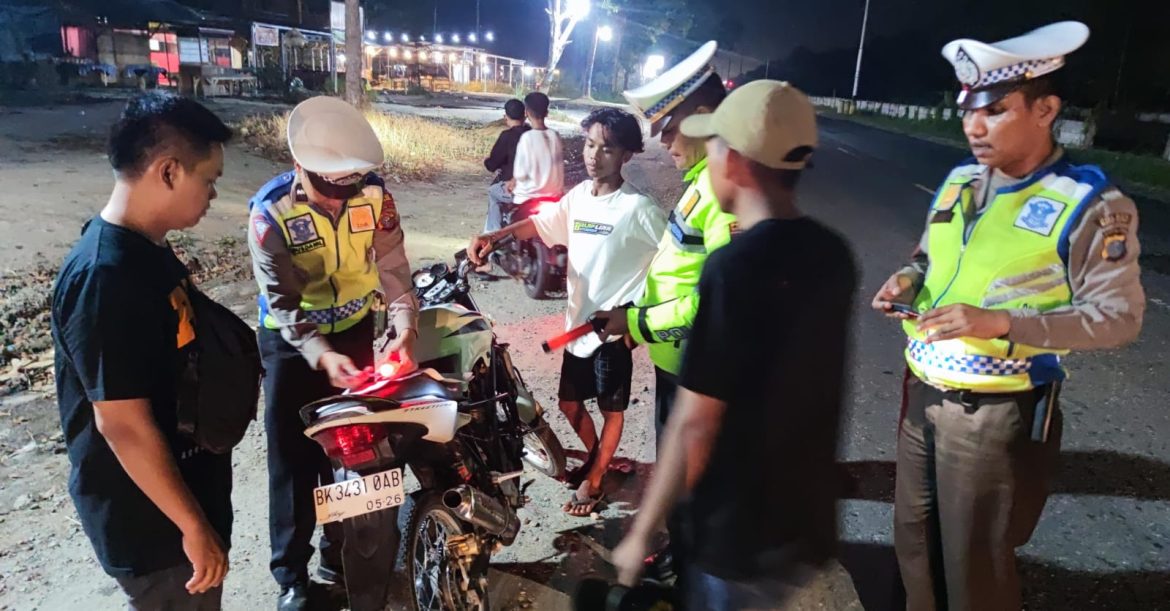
<point>594,325</point>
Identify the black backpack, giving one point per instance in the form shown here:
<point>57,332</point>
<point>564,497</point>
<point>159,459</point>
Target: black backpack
<point>219,385</point>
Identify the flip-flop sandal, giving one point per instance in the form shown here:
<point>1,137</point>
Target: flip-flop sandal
<point>583,508</point>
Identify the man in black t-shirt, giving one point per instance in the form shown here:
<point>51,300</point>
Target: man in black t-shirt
<point>155,506</point>
<point>500,161</point>
<point>752,437</point>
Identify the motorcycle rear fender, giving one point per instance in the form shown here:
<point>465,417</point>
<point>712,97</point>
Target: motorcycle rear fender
<point>369,554</point>
<point>440,416</point>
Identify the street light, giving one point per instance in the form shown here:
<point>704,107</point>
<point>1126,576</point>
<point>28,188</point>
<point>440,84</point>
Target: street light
<point>372,35</point>
<point>860,48</point>
<point>405,37</point>
<point>388,37</point>
<point>578,9</point>
<point>472,38</point>
<point>653,65</point>
<point>439,38</point>
<point>455,38</point>
<point>490,37</point>
<point>604,33</point>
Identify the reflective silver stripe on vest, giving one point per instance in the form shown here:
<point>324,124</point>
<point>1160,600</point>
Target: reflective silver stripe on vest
<point>928,355</point>
<point>686,238</point>
<point>339,313</point>
<point>1034,282</point>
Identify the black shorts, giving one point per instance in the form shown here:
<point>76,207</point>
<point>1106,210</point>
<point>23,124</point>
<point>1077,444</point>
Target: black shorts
<point>605,376</point>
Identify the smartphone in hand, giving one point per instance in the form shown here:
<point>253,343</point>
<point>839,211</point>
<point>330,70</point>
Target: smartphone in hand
<point>902,308</point>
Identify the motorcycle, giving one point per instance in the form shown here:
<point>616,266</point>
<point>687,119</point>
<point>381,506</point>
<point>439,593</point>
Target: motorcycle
<point>464,423</point>
<point>539,267</point>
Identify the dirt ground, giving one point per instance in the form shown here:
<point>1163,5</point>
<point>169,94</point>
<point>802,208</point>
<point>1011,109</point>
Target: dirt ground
<point>55,176</point>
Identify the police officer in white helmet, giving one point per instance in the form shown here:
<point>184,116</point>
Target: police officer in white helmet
<point>1026,256</point>
<point>323,238</point>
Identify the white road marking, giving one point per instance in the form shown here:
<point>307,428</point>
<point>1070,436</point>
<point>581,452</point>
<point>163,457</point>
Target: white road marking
<point>1159,302</point>
<point>847,152</point>
<point>922,188</point>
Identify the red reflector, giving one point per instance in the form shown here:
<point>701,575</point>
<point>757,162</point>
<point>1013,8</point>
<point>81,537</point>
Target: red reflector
<point>354,444</point>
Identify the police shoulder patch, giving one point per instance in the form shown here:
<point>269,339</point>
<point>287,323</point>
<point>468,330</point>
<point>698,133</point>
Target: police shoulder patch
<point>260,228</point>
<point>1114,248</point>
<point>388,220</point>
<point>1039,215</point>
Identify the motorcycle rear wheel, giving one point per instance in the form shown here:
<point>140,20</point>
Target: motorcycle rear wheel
<point>434,576</point>
<point>539,278</point>
<point>543,451</point>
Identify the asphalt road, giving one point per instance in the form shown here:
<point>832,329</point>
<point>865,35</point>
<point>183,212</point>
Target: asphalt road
<point>1103,539</point>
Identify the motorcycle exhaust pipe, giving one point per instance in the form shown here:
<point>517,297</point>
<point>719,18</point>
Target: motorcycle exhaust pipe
<point>483,511</point>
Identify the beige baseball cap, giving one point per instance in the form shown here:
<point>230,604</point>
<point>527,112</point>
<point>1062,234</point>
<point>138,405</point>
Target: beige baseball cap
<point>769,122</point>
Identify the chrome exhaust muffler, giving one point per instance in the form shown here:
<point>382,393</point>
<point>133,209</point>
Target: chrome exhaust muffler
<point>483,511</point>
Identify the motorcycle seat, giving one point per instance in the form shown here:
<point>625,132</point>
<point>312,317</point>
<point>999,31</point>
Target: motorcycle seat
<point>424,383</point>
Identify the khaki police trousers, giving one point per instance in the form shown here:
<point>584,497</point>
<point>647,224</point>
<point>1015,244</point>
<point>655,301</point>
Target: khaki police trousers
<point>971,484</point>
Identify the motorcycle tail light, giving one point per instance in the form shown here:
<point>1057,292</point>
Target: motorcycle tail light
<point>352,445</point>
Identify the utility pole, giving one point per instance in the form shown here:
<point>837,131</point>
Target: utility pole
<point>860,49</point>
<point>435,23</point>
<point>353,53</point>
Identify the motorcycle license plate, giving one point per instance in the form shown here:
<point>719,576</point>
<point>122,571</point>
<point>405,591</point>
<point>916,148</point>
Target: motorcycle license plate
<point>356,497</point>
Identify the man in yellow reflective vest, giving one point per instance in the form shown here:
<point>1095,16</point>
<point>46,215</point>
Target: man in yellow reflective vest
<point>1025,257</point>
<point>323,238</point>
<point>662,318</point>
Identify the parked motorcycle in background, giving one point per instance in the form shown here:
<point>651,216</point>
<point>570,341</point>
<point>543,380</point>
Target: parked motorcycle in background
<point>464,423</point>
<point>541,268</point>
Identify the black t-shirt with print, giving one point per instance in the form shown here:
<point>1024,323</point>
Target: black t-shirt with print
<point>121,323</point>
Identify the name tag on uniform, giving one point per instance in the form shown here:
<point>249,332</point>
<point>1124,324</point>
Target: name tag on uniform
<point>361,219</point>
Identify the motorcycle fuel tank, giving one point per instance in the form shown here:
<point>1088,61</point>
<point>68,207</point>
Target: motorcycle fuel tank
<point>451,339</point>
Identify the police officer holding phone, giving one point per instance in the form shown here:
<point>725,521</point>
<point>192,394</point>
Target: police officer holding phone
<point>1026,256</point>
<point>323,238</point>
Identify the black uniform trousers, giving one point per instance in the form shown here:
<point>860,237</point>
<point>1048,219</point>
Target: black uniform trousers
<point>297,464</point>
<point>971,484</point>
<point>665,391</point>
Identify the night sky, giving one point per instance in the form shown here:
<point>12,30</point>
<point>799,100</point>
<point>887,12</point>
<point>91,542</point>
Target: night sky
<point>906,35</point>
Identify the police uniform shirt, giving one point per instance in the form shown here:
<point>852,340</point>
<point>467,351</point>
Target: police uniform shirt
<point>1108,299</point>
<point>284,281</point>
